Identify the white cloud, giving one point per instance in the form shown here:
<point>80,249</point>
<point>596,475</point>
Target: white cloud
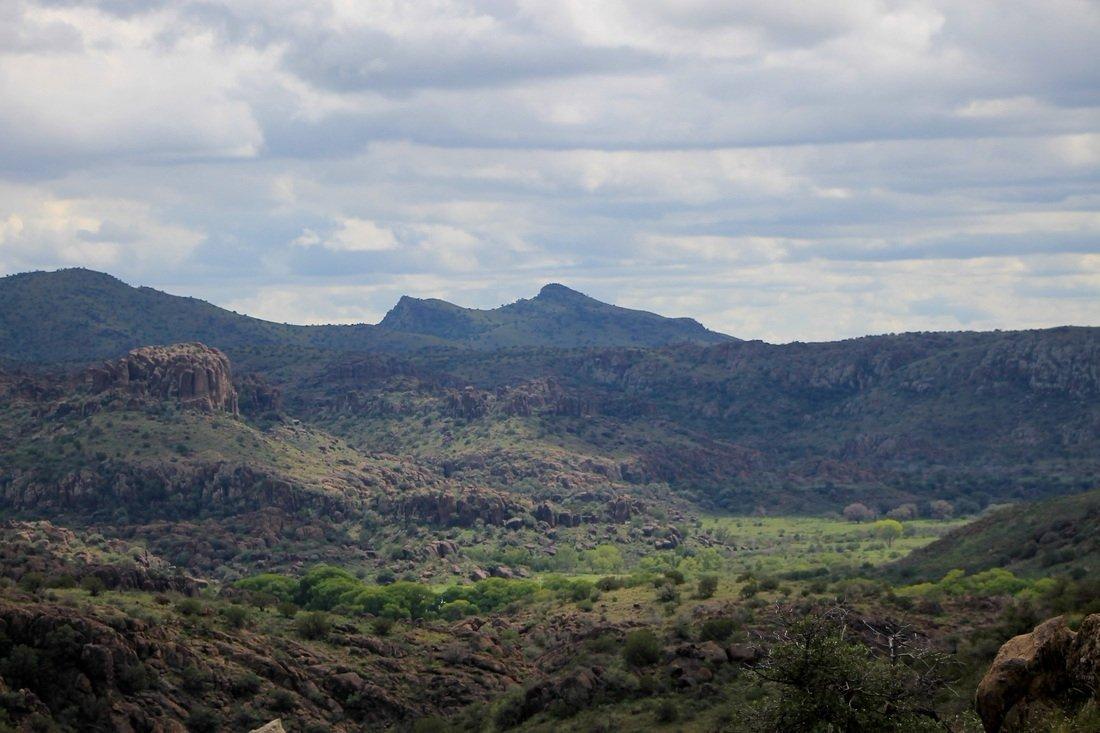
<point>40,231</point>
<point>351,235</point>
<point>779,168</point>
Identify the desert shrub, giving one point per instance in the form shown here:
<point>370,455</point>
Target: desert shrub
<point>708,585</point>
<point>717,629</point>
<point>203,720</point>
<point>457,609</point>
<point>667,593</point>
<point>237,617</point>
<point>666,711</point>
<point>674,576</point>
<point>313,625</point>
<point>508,711</point>
<point>287,609</point>
<point>281,701</point>
<point>609,583</point>
<point>190,607</point>
<point>382,626</point>
<point>641,648</point>
<point>245,684</point>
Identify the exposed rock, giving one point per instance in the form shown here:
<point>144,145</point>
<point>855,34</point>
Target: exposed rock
<point>275,726</point>
<point>461,508</point>
<point>193,375</point>
<point>1047,669</point>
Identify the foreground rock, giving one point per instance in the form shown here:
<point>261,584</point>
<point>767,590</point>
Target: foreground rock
<point>1039,673</point>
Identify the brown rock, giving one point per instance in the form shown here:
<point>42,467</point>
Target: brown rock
<point>193,375</point>
<point>1037,672</point>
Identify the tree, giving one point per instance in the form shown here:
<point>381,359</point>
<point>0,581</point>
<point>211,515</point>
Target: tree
<point>941,509</point>
<point>822,678</point>
<point>887,530</point>
<point>93,584</point>
<point>903,512</point>
<point>857,512</point>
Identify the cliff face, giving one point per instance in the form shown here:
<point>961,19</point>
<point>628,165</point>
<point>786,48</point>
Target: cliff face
<point>194,375</point>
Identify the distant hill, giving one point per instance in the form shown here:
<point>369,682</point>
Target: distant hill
<point>79,315</point>
<point>557,316</point>
<point>1042,538</point>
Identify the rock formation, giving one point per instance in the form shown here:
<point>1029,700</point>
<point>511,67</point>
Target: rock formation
<point>1034,674</point>
<point>196,376</point>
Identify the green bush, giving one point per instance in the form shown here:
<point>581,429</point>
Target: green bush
<point>203,720</point>
<point>666,712</point>
<point>708,585</point>
<point>717,629</point>
<point>313,625</point>
<point>641,648</point>
<point>237,617</point>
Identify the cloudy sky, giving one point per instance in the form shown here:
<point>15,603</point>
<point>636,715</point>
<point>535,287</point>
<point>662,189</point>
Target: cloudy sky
<point>778,169</point>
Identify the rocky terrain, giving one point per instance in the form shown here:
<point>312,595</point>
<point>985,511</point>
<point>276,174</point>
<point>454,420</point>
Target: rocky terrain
<point>544,516</point>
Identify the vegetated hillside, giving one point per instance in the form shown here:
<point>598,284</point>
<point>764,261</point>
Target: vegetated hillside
<point>969,417</point>
<point>80,315</point>
<point>1052,537</point>
<point>557,316</point>
<point>799,427</point>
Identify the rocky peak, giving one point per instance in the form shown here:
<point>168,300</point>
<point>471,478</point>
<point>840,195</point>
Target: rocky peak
<point>194,375</point>
<point>561,294</point>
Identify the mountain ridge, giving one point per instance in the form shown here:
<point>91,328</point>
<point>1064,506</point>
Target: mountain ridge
<point>80,315</point>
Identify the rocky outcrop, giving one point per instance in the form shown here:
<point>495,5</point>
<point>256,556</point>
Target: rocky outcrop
<point>460,508</point>
<point>194,376</point>
<point>541,396</point>
<point>1049,669</point>
<point>255,396</point>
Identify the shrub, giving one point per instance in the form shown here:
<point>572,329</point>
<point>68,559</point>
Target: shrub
<point>708,585</point>
<point>382,626</point>
<point>203,720</point>
<point>508,712</point>
<point>244,684</point>
<point>313,625</point>
<point>236,617</point>
<point>641,648</point>
<point>287,609</point>
<point>666,712</point>
<point>190,607</point>
<point>717,629</point>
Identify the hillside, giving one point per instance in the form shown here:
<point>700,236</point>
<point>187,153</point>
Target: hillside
<point>1043,539</point>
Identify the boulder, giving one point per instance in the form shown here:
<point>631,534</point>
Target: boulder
<point>1035,673</point>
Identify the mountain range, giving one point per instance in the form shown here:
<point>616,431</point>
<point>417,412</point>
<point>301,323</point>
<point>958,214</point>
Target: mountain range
<point>79,315</point>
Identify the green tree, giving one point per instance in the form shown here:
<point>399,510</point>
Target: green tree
<point>887,530</point>
<point>823,679</point>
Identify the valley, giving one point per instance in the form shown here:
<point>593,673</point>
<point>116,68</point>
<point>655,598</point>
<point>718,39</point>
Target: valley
<point>554,515</point>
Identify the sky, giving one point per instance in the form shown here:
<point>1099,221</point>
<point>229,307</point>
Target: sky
<point>785,170</point>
